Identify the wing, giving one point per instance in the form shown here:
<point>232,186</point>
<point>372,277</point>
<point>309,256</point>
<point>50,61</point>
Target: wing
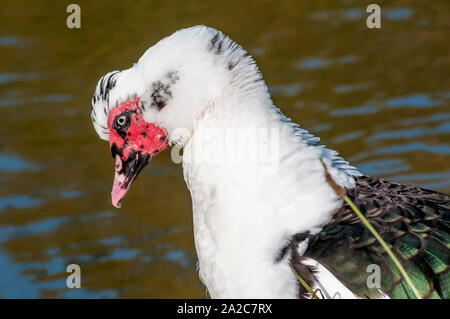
<point>415,222</point>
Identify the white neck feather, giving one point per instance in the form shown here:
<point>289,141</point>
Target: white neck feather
<point>246,209</point>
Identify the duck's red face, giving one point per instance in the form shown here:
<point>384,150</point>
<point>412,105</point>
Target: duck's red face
<point>133,143</point>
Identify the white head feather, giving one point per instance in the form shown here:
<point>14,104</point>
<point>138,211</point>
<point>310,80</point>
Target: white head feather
<point>177,78</point>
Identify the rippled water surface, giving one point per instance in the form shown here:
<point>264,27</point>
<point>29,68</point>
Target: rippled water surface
<point>379,97</point>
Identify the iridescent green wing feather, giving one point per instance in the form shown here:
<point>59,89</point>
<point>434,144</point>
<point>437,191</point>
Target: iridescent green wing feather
<point>415,222</point>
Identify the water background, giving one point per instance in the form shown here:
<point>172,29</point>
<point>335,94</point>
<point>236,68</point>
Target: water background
<point>379,97</point>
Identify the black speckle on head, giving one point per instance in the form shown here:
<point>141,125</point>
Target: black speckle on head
<point>216,43</point>
<point>214,40</point>
<point>219,48</point>
<point>142,147</point>
<point>173,76</point>
<point>160,94</point>
<point>141,106</point>
<point>162,138</point>
<point>144,135</point>
<point>161,90</point>
<point>108,83</point>
<point>231,65</point>
<point>105,85</point>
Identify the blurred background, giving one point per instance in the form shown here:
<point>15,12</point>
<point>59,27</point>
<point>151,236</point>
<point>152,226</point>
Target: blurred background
<point>380,97</point>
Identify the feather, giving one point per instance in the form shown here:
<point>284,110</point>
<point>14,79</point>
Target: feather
<point>412,220</point>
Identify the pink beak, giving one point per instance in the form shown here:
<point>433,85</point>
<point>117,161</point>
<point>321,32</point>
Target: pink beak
<point>118,191</point>
<point>125,174</point>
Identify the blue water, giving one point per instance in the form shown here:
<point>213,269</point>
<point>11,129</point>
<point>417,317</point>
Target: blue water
<point>384,166</point>
<point>348,88</point>
<point>19,201</point>
<point>11,163</point>
<point>358,14</point>
<point>416,100</point>
<point>17,77</point>
<point>11,41</point>
<point>49,98</point>
<point>287,90</point>
<point>313,63</point>
<point>357,110</point>
<point>398,13</point>
<point>443,149</point>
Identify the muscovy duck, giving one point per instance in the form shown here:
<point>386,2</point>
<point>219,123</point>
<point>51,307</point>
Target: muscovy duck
<point>263,211</point>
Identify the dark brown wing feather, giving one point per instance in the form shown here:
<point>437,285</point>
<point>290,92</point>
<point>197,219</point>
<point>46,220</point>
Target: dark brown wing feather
<point>415,222</point>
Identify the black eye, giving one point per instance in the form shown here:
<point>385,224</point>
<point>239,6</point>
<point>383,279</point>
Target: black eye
<point>121,120</point>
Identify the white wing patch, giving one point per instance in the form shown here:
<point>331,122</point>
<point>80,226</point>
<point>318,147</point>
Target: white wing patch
<point>330,286</point>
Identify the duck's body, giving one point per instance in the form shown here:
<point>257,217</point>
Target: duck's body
<point>262,207</point>
<point>246,209</point>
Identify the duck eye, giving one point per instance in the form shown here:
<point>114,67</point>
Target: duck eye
<point>121,120</point>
